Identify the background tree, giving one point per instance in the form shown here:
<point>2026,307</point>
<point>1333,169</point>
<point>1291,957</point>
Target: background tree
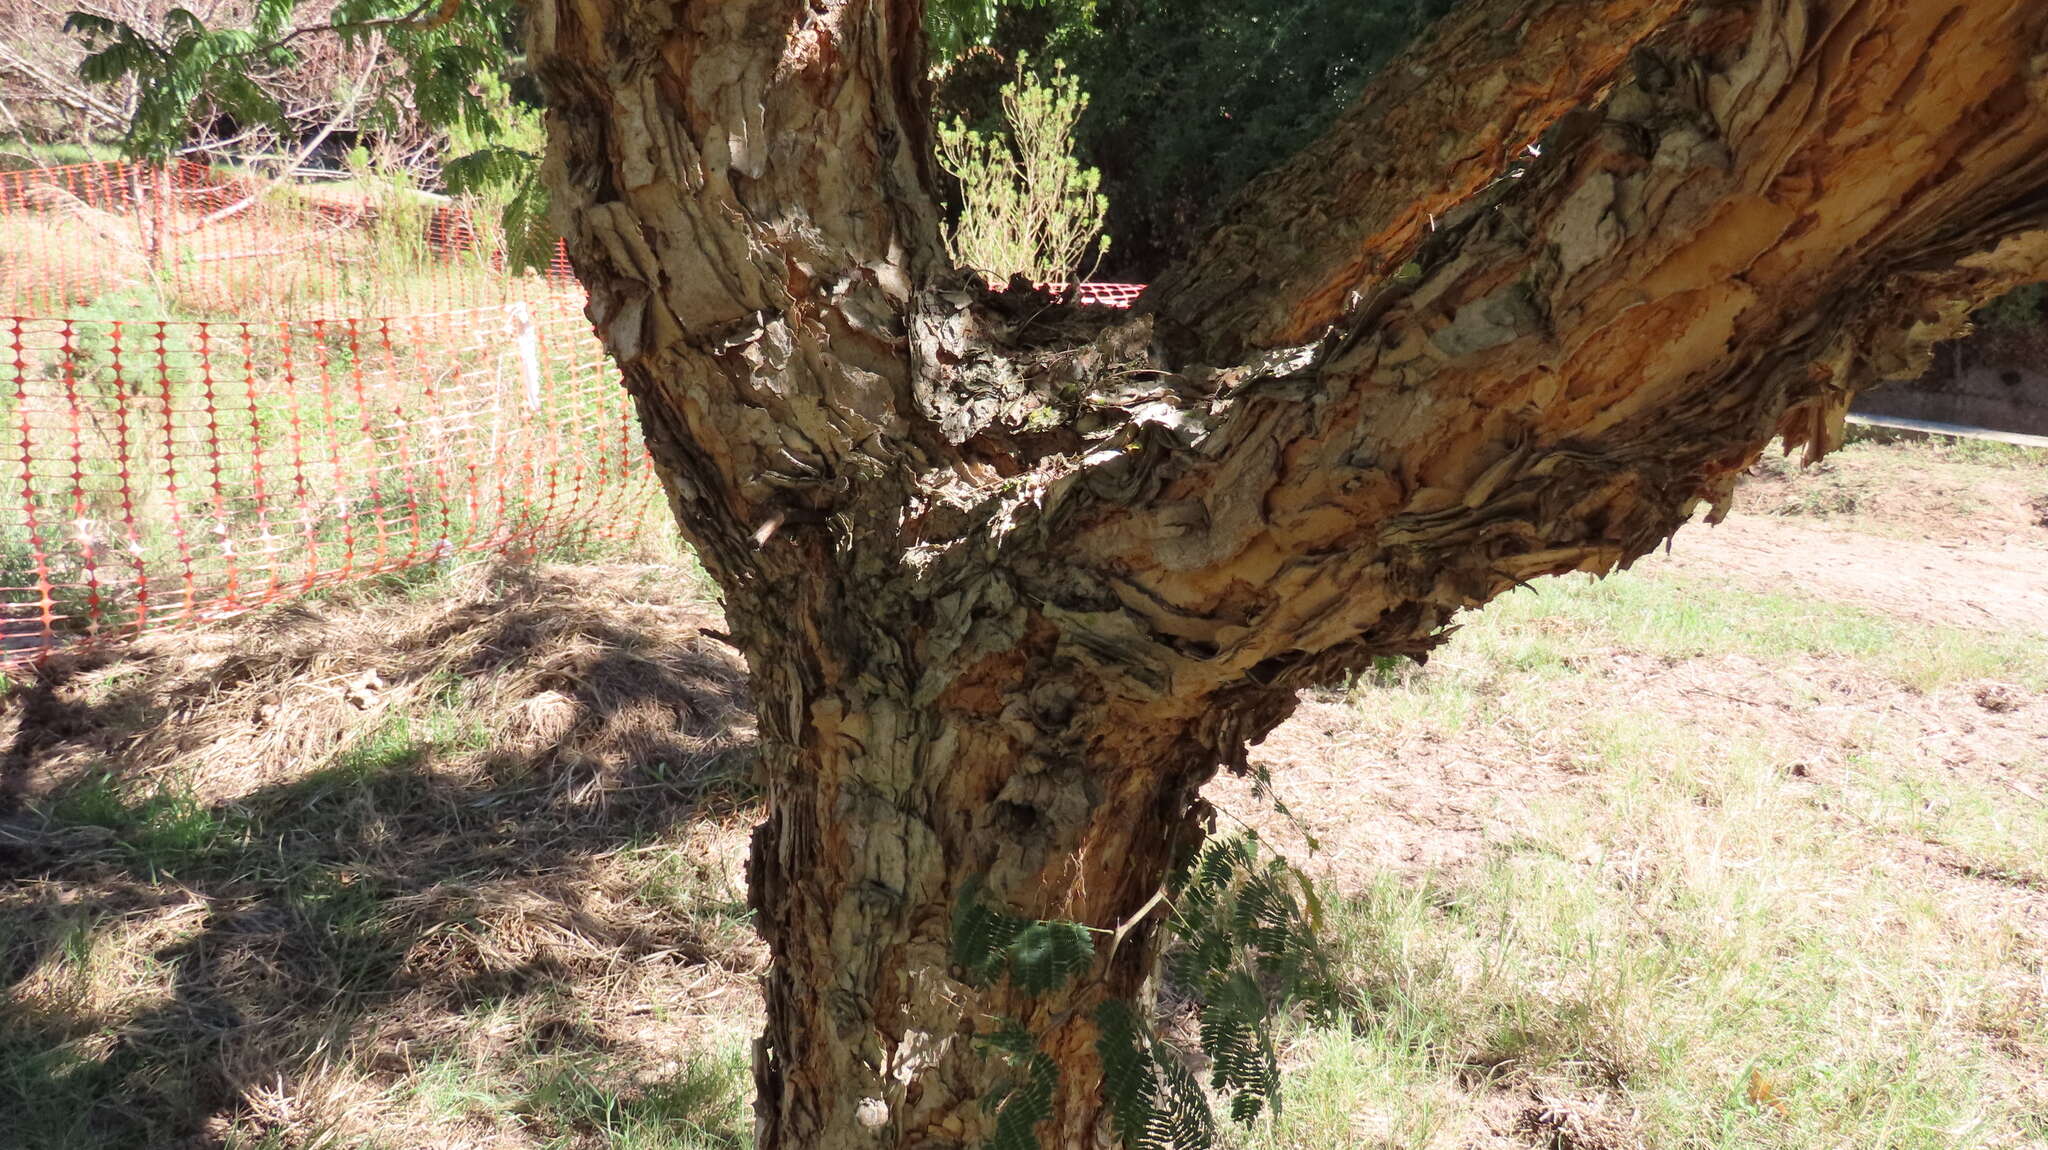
<point>1195,97</point>
<point>962,30</point>
<point>43,100</point>
<point>440,99</point>
<point>249,78</point>
<point>1190,98</point>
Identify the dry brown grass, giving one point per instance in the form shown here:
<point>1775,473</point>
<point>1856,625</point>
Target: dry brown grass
<point>397,864</point>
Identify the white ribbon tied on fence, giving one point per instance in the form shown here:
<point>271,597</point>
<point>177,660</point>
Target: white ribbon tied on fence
<point>526,340</point>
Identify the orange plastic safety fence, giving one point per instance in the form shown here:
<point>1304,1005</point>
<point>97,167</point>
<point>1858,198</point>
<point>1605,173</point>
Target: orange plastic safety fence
<point>163,473</point>
<point>1108,294</point>
<point>314,422</point>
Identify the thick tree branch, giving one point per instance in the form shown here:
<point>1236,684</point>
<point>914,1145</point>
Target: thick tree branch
<point>746,188</point>
<point>1783,202</point>
<point>1449,116</point>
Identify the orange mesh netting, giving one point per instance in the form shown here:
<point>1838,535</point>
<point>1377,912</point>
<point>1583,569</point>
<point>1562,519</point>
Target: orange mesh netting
<point>216,392</point>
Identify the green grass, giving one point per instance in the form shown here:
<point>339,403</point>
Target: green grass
<point>1694,916</point>
<point>162,831</point>
<point>16,152</point>
<point>697,1100</point>
<point>406,741</point>
<point>1660,937</point>
<point>698,1106</point>
<point>1538,629</point>
<point>1915,446</point>
<point>1990,829</point>
<point>452,1090</point>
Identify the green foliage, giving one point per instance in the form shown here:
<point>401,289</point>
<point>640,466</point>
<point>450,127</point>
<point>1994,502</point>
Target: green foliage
<point>184,67</point>
<point>499,170</point>
<point>1250,932</point>
<point>954,28</point>
<point>1154,1102</point>
<point>188,72</point>
<point>1192,97</point>
<point>1025,1099</point>
<point>1027,207</point>
<point>2022,309</point>
<point>1044,955</point>
<point>1037,955</point>
<point>982,936</point>
<point>400,212</point>
<point>1195,97</point>
<point>506,180</point>
<point>1249,950</point>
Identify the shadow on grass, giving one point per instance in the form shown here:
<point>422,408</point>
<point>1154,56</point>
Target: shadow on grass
<point>469,840</point>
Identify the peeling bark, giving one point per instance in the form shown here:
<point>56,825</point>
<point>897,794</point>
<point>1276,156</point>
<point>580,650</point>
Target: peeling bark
<point>1015,577</point>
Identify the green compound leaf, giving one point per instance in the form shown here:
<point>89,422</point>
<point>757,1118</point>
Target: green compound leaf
<point>1249,950</point>
<point>1182,1120</point>
<point>1026,1100</point>
<point>1044,955</point>
<point>1128,1083</point>
<point>1038,955</point>
<point>982,936</point>
<point>1154,1103</point>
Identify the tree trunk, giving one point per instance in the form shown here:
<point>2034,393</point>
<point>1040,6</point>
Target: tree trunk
<point>896,778</point>
<point>1014,578</point>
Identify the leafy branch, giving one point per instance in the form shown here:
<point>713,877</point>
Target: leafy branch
<point>1250,949</point>
<point>185,70</point>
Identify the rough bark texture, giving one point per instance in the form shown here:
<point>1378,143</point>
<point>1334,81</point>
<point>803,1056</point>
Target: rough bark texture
<point>1015,578</point>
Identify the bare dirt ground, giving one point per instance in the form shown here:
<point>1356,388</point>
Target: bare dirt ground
<point>1377,800</point>
<point>1936,580</point>
<point>1900,531</point>
<point>1893,529</point>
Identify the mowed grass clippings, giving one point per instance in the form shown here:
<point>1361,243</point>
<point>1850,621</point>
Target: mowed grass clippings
<point>448,861</point>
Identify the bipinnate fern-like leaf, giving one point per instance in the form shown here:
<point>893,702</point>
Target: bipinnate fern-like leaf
<point>982,935</point>
<point>1181,1120</point>
<point>1038,954</point>
<point>1237,1035</point>
<point>1129,1084</point>
<point>1044,955</point>
<point>1250,950</point>
<point>1154,1103</point>
<point>1026,1100</point>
